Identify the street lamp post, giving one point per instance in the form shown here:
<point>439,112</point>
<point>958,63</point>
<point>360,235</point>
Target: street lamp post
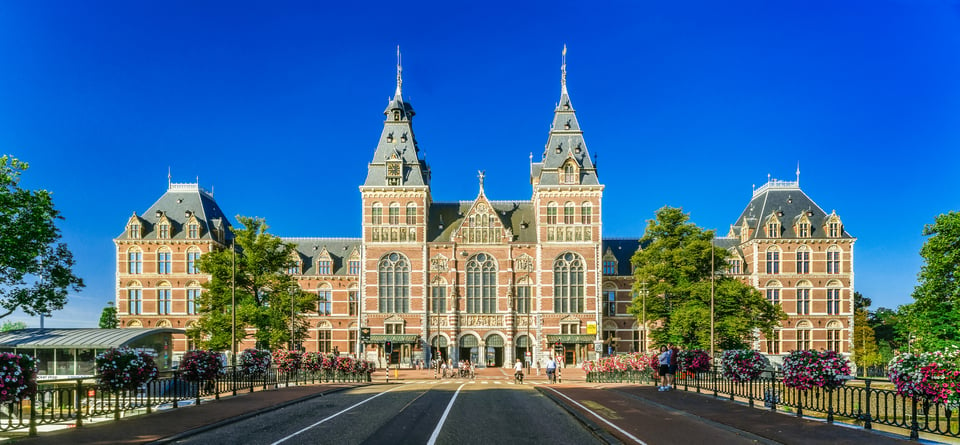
<point>643,295</point>
<point>712,276</point>
<point>233,303</point>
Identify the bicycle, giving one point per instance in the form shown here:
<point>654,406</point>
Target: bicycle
<point>518,377</point>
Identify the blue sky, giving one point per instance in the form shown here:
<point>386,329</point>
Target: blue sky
<point>277,109</point>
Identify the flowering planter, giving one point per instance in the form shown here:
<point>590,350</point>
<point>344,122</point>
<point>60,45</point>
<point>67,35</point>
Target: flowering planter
<point>18,377</point>
<point>804,370</point>
<point>125,369</point>
<point>932,377</point>
<point>254,362</point>
<point>694,360</point>
<point>201,366</point>
<point>743,365</point>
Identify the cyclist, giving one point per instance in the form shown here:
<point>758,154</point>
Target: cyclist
<point>518,371</point>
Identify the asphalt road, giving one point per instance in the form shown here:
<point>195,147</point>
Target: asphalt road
<point>412,413</point>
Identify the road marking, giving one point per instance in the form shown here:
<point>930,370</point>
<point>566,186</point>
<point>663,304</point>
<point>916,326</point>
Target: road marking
<point>607,412</point>
<point>334,415</point>
<point>631,436</point>
<point>443,418</point>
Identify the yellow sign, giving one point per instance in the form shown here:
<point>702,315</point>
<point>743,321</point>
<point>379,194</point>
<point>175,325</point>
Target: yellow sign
<point>592,327</point>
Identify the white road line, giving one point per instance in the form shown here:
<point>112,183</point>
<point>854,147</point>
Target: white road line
<point>334,415</point>
<point>443,418</point>
<point>635,439</point>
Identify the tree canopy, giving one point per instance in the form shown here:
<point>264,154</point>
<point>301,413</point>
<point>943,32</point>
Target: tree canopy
<point>108,317</point>
<point>672,273</point>
<point>35,268</point>
<point>264,291</point>
<point>933,319</point>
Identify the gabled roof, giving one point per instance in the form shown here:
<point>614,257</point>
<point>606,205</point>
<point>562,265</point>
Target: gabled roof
<point>78,338</point>
<point>518,216</point>
<point>339,250</point>
<point>174,205</point>
<point>784,197</point>
<point>623,249</point>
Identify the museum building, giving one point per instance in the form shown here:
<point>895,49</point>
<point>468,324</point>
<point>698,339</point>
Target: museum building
<point>484,280</point>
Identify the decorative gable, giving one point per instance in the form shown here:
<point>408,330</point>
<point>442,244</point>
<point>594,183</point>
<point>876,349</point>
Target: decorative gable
<point>802,226</point>
<point>772,225</point>
<point>832,225</point>
<point>570,171</point>
<point>164,228</point>
<point>135,227</point>
<point>194,228</point>
<point>324,262</point>
<point>481,225</point>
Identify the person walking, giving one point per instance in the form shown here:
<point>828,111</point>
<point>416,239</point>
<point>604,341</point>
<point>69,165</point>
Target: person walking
<point>552,370</point>
<point>664,360</point>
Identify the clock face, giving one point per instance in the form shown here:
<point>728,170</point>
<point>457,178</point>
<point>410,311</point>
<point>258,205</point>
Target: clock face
<point>393,169</point>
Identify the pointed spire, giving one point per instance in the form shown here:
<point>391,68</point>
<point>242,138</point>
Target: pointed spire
<point>169,177</point>
<point>563,70</point>
<point>399,72</point>
<point>798,173</point>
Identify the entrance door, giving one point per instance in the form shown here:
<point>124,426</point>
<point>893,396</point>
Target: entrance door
<point>569,355</point>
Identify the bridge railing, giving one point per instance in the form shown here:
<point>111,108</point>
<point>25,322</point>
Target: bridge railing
<point>77,401</point>
<point>859,401</point>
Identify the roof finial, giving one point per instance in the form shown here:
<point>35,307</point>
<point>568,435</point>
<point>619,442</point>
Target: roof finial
<point>563,70</point>
<point>399,70</point>
<point>168,177</point>
<point>798,173</point>
<point>481,174</point>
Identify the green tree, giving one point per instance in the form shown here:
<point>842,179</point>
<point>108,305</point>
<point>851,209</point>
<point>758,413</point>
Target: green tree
<point>674,268</point>
<point>889,330</point>
<point>108,317</point>
<point>933,319</point>
<point>12,326</point>
<point>264,291</point>
<point>865,349</point>
<point>35,268</point>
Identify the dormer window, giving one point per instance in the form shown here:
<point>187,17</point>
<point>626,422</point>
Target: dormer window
<point>134,231</point>
<point>324,266</point>
<point>396,115</point>
<point>803,230</point>
<point>833,229</point>
<point>566,126</point>
<point>403,137</point>
<point>354,267</point>
<point>773,229</point>
<point>569,173</point>
<point>164,231</point>
<point>193,231</point>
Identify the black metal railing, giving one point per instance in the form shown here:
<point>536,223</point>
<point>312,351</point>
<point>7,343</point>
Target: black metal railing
<point>78,401</point>
<point>859,401</point>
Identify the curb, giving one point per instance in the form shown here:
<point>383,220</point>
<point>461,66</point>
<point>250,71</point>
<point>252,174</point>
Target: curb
<point>594,428</point>
<point>235,419</point>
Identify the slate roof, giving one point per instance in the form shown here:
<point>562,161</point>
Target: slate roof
<point>397,139</point>
<point>339,249</point>
<point>518,216</point>
<point>623,249</point>
<point>564,141</point>
<point>175,202</point>
<point>788,203</point>
<point>78,338</point>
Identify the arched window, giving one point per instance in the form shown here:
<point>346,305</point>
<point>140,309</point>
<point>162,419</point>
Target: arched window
<point>586,213</point>
<point>568,283</point>
<point>324,337</point>
<point>353,295</point>
<point>193,256</point>
<point>193,294</point>
<point>833,260</point>
<point>411,214</point>
<point>394,278</point>
<point>134,261</point>
<point>773,260</point>
<point>773,292</point>
<point>523,296</point>
<point>834,335</point>
<point>609,300</point>
<point>481,284</point>
<point>164,298</point>
<point>324,299</point>
<point>376,214</point>
<point>134,298</point>
<point>394,217</point>
<point>164,260</point>
<point>568,213</point>
<point>551,213</point>
<point>803,297</point>
<point>804,337</point>
<point>569,173</point>
<point>803,260</point>
<point>833,297</point>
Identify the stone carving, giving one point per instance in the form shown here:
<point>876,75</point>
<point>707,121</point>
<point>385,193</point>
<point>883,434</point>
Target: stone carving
<point>439,263</point>
<point>483,320</point>
<point>524,263</point>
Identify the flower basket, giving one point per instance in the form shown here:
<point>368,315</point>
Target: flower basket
<point>743,365</point>
<point>312,362</point>
<point>624,367</point>
<point>125,368</point>
<point>286,360</point>
<point>694,360</point>
<point>201,366</point>
<point>808,369</point>
<point>18,377</point>
<point>254,362</point>
<point>934,376</point>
